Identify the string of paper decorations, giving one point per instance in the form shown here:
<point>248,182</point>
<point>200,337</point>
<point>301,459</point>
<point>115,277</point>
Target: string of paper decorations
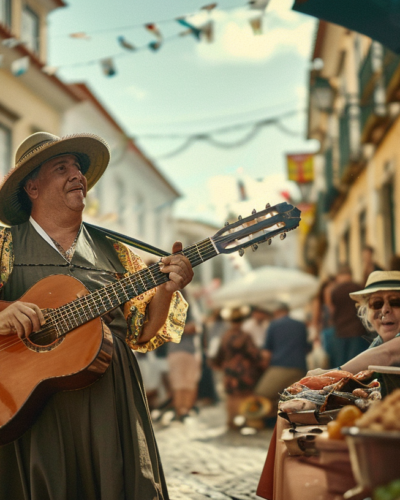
<point>203,32</point>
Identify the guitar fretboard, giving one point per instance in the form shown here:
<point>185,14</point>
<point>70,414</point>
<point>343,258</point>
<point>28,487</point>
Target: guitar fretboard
<point>95,304</point>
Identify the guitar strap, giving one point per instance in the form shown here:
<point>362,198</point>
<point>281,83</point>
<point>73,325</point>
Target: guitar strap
<point>129,241</point>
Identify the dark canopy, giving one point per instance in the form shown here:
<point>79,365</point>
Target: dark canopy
<point>378,19</point>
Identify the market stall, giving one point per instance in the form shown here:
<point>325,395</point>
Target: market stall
<point>309,457</point>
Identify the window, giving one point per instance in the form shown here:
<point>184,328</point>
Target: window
<point>5,150</point>
<point>5,12</point>
<point>30,29</point>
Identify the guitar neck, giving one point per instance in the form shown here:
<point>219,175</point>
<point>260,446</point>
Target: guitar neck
<point>106,299</point>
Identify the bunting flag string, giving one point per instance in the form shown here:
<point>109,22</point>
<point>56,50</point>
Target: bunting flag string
<point>205,33</point>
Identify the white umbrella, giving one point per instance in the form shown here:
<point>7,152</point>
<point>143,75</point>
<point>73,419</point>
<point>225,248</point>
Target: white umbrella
<point>267,286</point>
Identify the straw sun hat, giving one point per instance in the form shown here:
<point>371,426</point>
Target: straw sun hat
<point>378,281</point>
<point>92,151</point>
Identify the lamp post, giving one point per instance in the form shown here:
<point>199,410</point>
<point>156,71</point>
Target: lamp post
<point>322,94</point>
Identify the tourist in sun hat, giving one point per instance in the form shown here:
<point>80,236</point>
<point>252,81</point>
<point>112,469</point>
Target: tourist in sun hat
<point>379,305</point>
<point>94,442</point>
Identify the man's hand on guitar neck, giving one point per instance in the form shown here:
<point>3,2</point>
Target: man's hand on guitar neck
<point>178,267</point>
<point>180,274</point>
<point>21,318</point>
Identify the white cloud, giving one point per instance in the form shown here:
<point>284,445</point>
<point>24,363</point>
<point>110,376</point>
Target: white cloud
<point>136,92</point>
<point>235,41</point>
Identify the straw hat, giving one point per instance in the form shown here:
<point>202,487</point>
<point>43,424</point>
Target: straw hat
<point>378,281</point>
<point>235,313</point>
<point>92,151</point>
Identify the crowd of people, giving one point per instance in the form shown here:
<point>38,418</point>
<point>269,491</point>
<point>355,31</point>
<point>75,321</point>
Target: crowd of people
<point>247,355</point>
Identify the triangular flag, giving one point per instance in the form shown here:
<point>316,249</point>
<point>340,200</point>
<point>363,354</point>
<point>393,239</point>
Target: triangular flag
<point>256,25</point>
<point>125,44</point>
<point>207,31</point>
<point>258,4</point>
<point>154,30</point>
<point>108,67</point>
<point>20,66</point>
<point>196,32</point>
<point>209,7</point>
<point>81,35</point>
<point>186,33</point>
<point>11,42</point>
<point>154,46</point>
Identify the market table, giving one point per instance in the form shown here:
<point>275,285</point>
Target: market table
<point>288,477</point>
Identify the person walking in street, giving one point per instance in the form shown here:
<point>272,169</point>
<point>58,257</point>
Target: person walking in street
<point>241,362</point>
<point>285,352</point>
<point>95,442</point>
<point>184,366</point>
<point>257,325</point>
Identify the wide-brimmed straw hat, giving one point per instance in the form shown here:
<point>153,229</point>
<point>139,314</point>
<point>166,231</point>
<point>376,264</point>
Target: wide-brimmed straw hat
<point>378,281</point>
<point>92,151</point>
<point>235,313</point>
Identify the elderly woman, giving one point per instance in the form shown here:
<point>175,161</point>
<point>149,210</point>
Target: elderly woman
<point>379,305</point>
<point>379,309</point>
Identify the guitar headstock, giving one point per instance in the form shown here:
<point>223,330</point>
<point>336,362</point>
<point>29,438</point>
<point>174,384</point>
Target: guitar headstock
<point>257,228</point>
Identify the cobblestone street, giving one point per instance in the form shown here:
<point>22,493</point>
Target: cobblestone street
<point>203,460</point>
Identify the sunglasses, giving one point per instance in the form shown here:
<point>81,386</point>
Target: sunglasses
<point>379,303</point>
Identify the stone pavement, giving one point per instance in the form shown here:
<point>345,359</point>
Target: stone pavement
<point>203,460</point>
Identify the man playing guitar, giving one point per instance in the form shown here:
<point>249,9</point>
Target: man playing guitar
<point>95,442</point>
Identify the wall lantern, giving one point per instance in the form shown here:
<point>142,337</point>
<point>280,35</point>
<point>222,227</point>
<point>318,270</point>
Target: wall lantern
<point>322,94</point>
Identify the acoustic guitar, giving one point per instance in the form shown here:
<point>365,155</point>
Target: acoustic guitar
<point>74,347</point>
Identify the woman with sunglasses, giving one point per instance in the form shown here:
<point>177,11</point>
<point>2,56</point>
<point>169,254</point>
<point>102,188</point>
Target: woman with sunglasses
<point>379,310</point>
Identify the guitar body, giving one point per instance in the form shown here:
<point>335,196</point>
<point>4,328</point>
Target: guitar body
<point>31,372</point>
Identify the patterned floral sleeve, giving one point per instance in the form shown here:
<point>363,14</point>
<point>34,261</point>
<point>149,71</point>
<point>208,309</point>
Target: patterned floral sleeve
<point>135,309</point>
<point>6,255</point>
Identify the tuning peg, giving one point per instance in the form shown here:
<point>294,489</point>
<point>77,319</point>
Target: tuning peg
<point>240,217</point>
<point>241,252</point>
<point>254,247</point>
<point>269,241</point>
<point>282,236</point>
<point>254,211</point>
<point>268,205</point>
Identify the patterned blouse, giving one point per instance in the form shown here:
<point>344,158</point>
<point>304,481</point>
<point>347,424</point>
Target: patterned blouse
<point>134,309</point>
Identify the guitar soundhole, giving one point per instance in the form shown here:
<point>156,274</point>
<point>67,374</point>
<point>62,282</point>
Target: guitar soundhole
<point>45,339</point>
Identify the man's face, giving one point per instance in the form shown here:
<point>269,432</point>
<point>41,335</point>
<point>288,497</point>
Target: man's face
<point>60,184</point>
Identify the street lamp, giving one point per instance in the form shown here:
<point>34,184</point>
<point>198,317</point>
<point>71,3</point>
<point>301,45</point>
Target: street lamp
<point>322,94</point>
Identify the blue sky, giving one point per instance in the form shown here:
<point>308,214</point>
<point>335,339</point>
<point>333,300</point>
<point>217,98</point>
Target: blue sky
<point>191,87</point>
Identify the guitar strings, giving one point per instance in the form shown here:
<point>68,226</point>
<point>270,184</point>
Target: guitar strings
<point>192,253</point>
